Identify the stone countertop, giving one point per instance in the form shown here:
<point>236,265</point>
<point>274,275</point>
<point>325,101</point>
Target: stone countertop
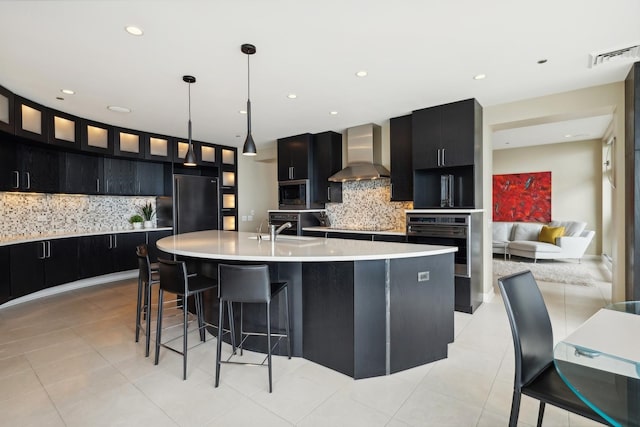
<point>244,246</point>
<point>12,240</point>
<point>393,232</point>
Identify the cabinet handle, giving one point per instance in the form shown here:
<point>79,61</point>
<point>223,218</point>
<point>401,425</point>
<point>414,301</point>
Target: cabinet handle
<point>97,185</point>
<point>439,163</point>
<point>107,186</point>
<point>16,175</point>
<point>28,175</point>
<point>48,249</point>
<point>329,193</point>
<point>443,161</point>
<point>291,172</point>
<point>44,251</point>
<point>110,242</point>
<point>391,190</point>
<point>115,240</point>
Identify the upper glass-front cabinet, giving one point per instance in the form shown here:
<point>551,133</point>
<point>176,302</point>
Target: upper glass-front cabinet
<point>7,123</point>
<point>228,156</point>
<point>96,137</point>
<point>158,147</point>
<point>208,154</point>
<point>64,130</point>
<point>128,143</point>
<point>31,119</point>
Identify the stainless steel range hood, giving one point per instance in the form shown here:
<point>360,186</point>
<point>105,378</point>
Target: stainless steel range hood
<point>364,155</point>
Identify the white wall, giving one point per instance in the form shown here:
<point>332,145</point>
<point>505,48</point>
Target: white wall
<point>597,100</point>
<point>576,179</point>
<point>257,186</point>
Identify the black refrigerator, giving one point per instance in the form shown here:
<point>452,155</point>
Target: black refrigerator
<point>195,203</point>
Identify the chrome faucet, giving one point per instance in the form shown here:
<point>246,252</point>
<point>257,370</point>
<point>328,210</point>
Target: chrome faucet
<point>273,231</point>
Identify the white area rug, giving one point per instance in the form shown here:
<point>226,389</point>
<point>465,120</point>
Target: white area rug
<point>558,272</point>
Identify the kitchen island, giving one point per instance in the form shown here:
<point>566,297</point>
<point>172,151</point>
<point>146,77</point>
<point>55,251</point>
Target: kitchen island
<point>361,308</point>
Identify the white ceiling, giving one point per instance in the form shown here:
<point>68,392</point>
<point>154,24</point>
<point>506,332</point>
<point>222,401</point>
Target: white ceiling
<point>418,54</point>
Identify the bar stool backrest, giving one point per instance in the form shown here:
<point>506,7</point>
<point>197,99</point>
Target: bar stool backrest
<point>144,265</point>
<point>244,283</point>
<point>173,276</point>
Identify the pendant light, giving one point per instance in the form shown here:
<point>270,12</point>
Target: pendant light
<point>249,148</point>
<point>190,158</point>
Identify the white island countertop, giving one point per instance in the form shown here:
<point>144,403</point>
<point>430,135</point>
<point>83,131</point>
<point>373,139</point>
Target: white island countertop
<point>244,246</point>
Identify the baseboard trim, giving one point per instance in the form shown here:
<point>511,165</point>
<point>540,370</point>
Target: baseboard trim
<point>78,284</point>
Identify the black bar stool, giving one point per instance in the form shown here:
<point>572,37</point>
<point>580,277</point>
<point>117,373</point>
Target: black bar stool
<point>174,279</point>
<point>250,284</point>
<point>147,277</point>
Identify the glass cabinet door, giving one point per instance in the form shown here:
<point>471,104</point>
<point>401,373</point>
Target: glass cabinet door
<point>7,122</point>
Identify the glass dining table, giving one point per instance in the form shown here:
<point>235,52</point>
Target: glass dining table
<point>600,362</point>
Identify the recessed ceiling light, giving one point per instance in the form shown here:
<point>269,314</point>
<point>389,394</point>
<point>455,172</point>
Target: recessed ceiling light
<point>117,109</point>
<point>361,73</point>
<point>479,76</point>
<point>133,30</point>
<point>292,96</point>
<point>334,113</point>
<point>542,61</point>
<point>67,91</point>
<point>242,112</point>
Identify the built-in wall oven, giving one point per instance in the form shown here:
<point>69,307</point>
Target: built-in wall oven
<point>446,230</point>
<point>298,220</point>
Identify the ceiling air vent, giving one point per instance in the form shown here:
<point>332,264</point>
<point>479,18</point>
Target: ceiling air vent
<point>632,52</point>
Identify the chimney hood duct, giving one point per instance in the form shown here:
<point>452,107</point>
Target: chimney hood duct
<point>364,154</point>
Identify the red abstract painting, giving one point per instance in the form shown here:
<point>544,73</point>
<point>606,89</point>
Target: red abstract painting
<point>522,197</point>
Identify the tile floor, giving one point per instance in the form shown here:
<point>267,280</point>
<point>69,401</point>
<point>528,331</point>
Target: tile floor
<point>71,360</point>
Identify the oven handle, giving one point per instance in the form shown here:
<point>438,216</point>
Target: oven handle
<point>438,231</point>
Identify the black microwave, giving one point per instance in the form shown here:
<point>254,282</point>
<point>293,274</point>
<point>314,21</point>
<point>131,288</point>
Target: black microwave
<point>294,194</point>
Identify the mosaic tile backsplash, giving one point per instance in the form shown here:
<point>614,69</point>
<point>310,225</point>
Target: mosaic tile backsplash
<point>366,205</point>
<point>29,214</point>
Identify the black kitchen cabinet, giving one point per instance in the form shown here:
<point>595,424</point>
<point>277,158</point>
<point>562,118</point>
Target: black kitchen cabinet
<point>294,157</point>
<point>27,268</point>
<point>38,265</point>
<point>400,129</point>
<point>9,173</point>
<point>61,261</point>
<point>7,121</point>
<point>5,274</point>
<point>108,253</point>
<point>124,250</point>
<point>446,135</point>
<point>150,178</point>
<point>64,130</point>
<point>120,177</point>
<point>29,168</point>
<point>152,238</point>
<point>40,169</point>
<point>32,119</point>
<point>83,174</point>
<point>96,137</point>
<point>327,160</point>
<point>94,255</point>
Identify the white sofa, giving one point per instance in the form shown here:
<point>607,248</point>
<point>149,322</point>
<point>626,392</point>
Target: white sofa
<point>521,239</point>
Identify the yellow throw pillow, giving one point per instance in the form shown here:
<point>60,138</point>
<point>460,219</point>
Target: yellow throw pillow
<point>549,234</point>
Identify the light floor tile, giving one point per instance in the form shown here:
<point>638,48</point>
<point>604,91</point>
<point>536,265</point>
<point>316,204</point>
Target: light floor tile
<point>33,409</point>
<point>340,409</point>
<point>71,360</point>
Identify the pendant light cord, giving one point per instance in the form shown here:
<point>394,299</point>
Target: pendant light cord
<point>189,113</point>
<point>248,96</point>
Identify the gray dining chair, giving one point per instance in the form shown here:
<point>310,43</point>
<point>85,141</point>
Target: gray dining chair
<point>536,375</point>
